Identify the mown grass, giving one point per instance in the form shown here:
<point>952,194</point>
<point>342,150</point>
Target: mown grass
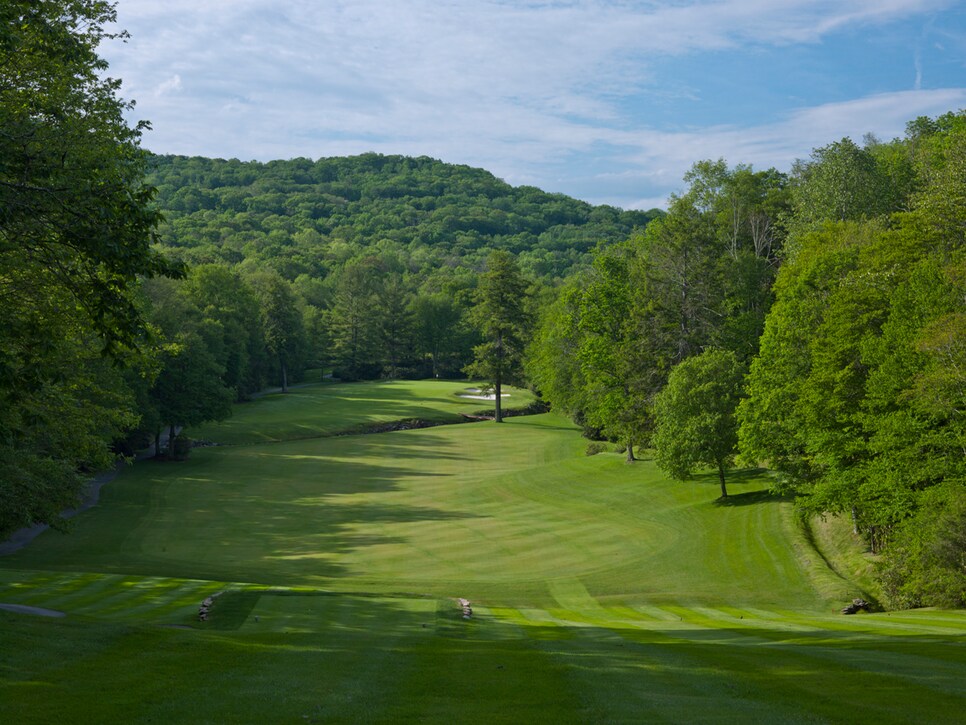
<point>602,592</point>
<point>325,409</point>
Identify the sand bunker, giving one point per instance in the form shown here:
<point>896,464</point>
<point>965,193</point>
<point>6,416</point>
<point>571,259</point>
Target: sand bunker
<point>477,394</point>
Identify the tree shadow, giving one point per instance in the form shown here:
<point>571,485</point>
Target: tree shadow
<point>263,514</point>
<point>750,498</point>
<point>418,663</point>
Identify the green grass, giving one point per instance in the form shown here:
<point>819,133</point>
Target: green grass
<point>602,592</point>
<point>325,409</point>
<point>846,552</point>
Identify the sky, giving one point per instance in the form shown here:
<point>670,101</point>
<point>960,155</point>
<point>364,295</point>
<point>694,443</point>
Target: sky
<point>609,101</point>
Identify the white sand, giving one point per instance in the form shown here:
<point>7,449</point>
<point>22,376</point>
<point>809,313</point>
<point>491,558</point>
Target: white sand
<point>477,396</point>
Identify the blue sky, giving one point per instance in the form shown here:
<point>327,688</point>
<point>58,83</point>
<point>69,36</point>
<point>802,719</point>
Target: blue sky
<point>610,101</point>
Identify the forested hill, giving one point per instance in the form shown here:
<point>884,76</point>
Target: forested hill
<point>303,217</point>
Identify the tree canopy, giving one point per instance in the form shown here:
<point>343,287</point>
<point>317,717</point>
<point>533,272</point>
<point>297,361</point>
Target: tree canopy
<point>695,415</point>
<point>76,231</point>
<point>503,319</point>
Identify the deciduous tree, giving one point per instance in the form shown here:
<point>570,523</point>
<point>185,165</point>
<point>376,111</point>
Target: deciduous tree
<point>695,415</point>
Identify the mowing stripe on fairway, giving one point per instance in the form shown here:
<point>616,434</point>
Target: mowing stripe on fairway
<point>602,592</point>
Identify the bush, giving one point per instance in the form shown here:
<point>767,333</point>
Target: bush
<point>181,447</point>
<point>925,565</point>
<point>596,447</point>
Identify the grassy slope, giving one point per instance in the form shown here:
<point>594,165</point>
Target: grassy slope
<point>603,592</point>
<point>316,410</point>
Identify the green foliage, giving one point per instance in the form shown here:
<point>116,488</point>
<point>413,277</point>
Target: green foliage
<point>610,399</point>
<point>364,238</point>
<point>304,217</point>
<point>501,315</point>
<point>189,390</point>
<point>552,363</point>
<point>231,325</point>
<point>707,267</point>
<point>926,566</point>
<point>695,415</point>
<point>282,324</point>
<point>441,331</point>
<point>57,419</point>
<point>858,393</point>
<point>76,213</point>
<point>699,277</point>
<point>76,230</point>
<point>845,182</point>
<point>595,448</point>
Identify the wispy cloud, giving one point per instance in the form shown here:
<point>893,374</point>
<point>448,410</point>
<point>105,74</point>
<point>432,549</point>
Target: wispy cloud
<point>171,85</point>
<point>659,159</point>
<point>523,88</point>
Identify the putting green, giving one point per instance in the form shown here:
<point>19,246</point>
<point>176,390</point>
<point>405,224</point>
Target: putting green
<point>601,591</point>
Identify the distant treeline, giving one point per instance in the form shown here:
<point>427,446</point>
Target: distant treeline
<point>304,217</point>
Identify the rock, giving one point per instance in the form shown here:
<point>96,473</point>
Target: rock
<point>856,606</point>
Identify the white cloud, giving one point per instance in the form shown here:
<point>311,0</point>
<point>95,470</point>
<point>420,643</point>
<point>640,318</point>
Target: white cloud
<point>519,87</point>
<point>171,85</point>
<point>664,157</point>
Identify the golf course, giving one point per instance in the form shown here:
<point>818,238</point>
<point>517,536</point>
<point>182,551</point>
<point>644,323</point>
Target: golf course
<point>335,558</point>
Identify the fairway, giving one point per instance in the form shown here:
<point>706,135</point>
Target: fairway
<point>601,591</point>
<point>311,411</point>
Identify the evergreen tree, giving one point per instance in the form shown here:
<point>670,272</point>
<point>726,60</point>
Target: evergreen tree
<point>502,317</point>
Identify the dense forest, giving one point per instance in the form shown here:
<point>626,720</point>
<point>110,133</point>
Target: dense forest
<point>812,322</point>
<point>304,217</point>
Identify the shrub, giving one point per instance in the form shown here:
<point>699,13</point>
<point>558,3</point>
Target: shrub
<point>596,447</point>
<point>181,447</point>
<point>925,565</point>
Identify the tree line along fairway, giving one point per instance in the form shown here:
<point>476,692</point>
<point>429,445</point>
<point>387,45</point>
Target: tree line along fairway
<point>601,592</point>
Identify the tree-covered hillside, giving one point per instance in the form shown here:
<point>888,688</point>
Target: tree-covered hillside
<point>304,217</point>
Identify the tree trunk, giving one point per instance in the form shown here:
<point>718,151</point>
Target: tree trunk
<point>171,437</point>
<point>284,378</point>
<point>630,452</point>
<point>721,477</point>
<point>157,442</point>
<point>499,378</point>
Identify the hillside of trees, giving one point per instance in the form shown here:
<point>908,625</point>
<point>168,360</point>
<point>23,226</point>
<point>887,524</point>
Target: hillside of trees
<point>365,265</point>
<point>304,217</point>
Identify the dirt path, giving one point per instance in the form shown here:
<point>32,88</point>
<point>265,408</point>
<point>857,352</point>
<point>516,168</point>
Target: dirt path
<point>39,611</point>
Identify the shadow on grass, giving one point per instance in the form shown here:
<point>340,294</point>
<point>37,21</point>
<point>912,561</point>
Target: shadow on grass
<point>336,409</point>
<point>321,657</point>
<point>424,664</point>
<point>750,498</point>
<point>269,516</point>
<point>739,477</point>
